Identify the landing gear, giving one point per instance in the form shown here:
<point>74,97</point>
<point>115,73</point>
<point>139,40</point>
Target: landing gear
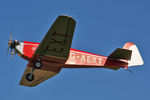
<point>38,64</point>
<point>30,77</point>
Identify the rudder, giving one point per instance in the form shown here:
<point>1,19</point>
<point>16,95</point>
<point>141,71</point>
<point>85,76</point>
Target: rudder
<point>136,58</point>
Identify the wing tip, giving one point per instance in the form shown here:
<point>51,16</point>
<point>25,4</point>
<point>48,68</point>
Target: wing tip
<point>27,85</point>
<point>67,16</point>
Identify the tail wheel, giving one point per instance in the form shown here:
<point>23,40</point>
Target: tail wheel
<point>37,64</point>
<point>30,77</point>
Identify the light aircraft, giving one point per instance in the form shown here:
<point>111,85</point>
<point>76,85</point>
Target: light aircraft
<point>47,58</point>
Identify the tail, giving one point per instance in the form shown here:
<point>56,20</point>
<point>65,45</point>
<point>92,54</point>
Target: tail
<point>136,58</point>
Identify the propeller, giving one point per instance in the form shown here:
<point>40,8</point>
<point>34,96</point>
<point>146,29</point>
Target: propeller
<point>12,45</point>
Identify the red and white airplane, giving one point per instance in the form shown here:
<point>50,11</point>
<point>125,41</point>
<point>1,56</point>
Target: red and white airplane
<point>47,58</point>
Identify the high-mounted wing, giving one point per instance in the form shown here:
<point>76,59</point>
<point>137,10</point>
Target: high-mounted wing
<point>53,51</point>
<point>58,39</point>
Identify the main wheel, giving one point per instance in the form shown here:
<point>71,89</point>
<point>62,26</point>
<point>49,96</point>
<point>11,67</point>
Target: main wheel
<point>30,77</point>
<point>37,64</point>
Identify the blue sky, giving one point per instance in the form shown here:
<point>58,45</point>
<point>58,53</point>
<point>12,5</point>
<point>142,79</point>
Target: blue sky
<point>102,26</point>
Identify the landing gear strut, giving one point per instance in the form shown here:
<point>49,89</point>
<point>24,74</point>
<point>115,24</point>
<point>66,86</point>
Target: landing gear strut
<point>37,65</point>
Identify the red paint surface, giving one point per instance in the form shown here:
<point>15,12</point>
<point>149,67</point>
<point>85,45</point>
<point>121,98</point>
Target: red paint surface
<point>29,48</point>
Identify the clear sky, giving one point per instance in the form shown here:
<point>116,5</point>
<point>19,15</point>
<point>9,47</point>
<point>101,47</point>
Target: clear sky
<point>102,26</point>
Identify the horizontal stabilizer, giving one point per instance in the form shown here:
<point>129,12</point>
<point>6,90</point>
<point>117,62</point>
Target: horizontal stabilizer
<point>120,53</point>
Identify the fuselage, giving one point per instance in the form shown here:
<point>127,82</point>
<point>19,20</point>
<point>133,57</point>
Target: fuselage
<point>76,57</point>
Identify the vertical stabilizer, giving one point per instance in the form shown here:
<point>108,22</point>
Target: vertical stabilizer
<point>136,58</point>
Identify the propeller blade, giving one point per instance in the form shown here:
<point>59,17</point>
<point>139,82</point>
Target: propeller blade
<point>9,44</point>
<point>8,50</point>
<point>10,38</point>
<point>11,52</point>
